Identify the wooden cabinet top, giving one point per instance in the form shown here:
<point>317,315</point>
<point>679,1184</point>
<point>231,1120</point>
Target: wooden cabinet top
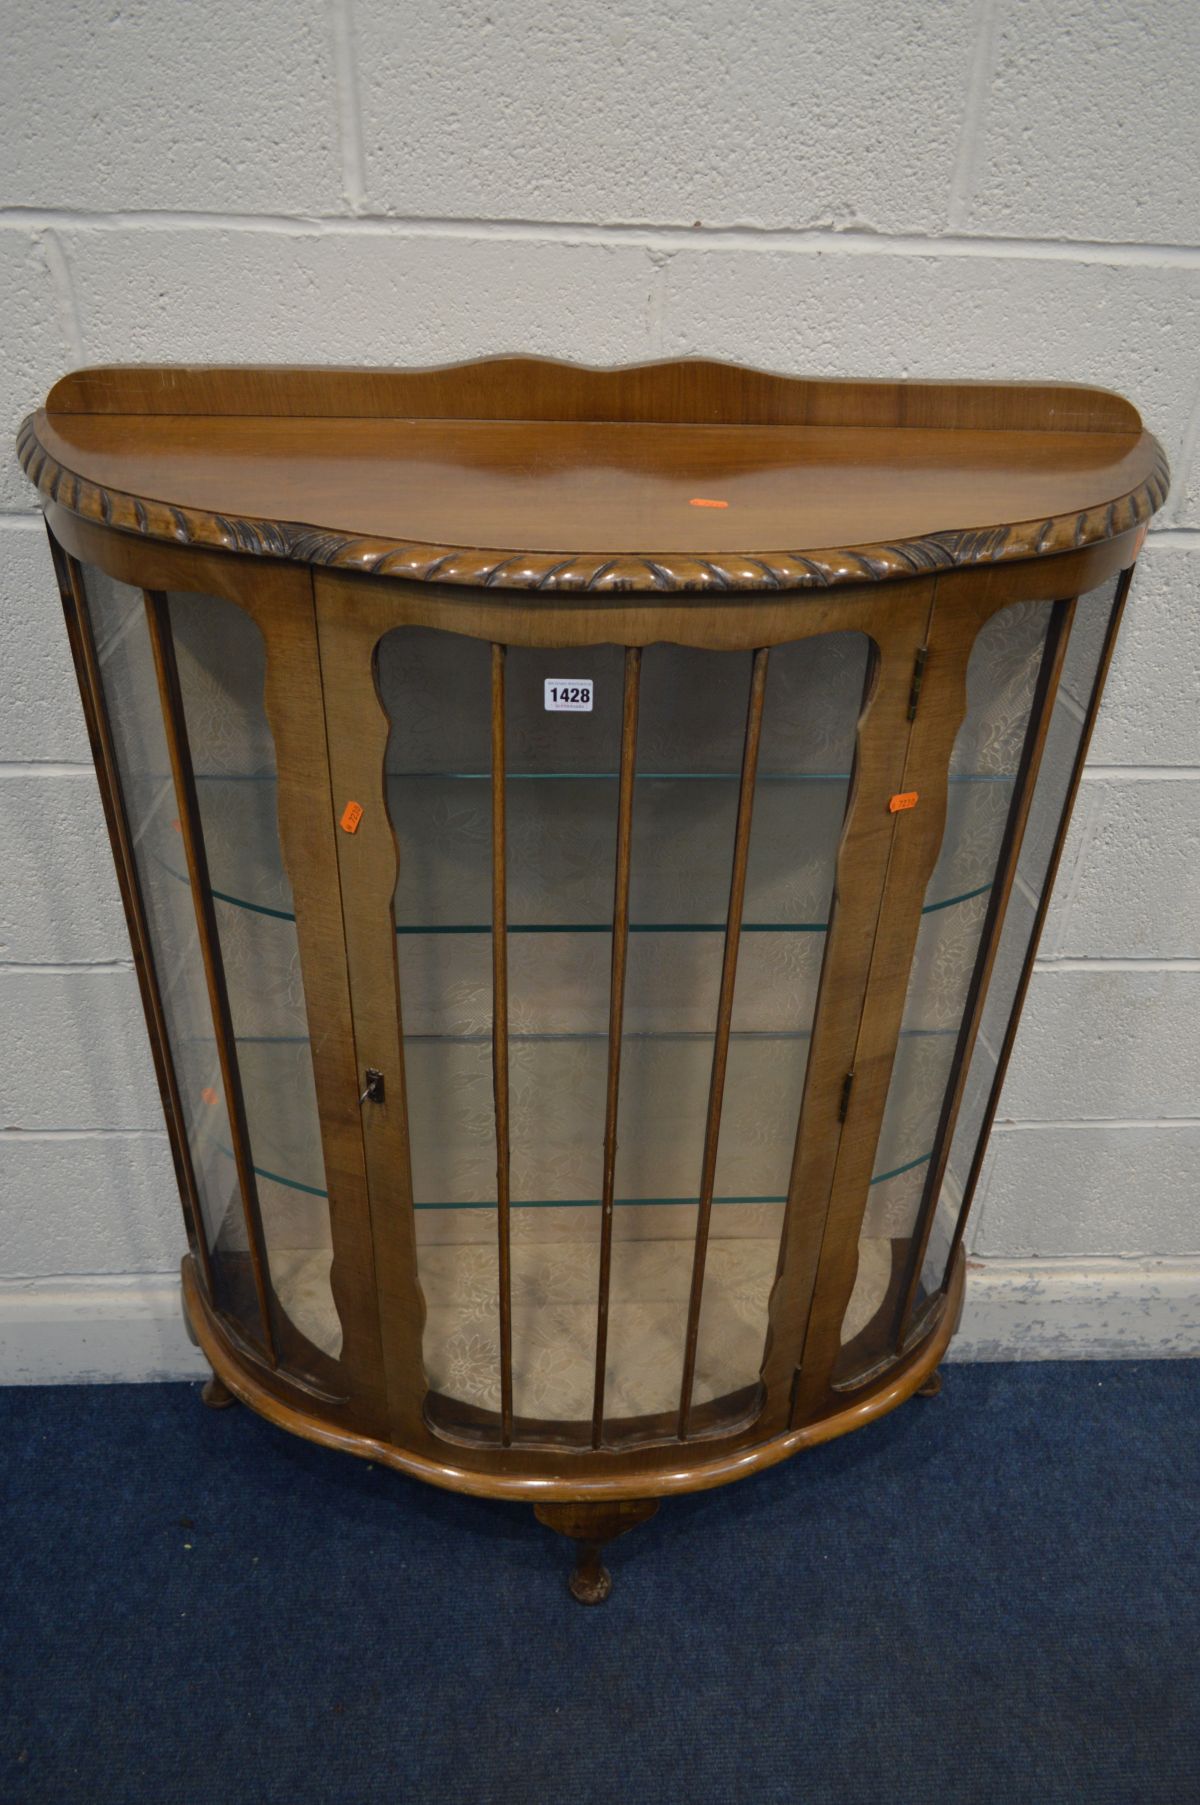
<point>523,473</point>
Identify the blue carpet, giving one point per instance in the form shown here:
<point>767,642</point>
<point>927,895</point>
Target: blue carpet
<point>990,1596</point>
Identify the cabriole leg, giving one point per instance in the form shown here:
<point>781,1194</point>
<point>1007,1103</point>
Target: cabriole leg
<point>590,1527</point>
<point>216,1394</point>
<point>931,1384</point>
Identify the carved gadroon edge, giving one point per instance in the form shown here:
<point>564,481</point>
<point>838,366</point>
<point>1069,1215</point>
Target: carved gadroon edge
<point>585,573</point>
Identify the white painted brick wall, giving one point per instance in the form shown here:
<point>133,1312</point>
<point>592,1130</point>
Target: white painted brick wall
<point>1150,717</point>
<point>333,294</point>
<point>777,115</point>
<point>1112,1188</point>
<point>1122,828</point>
<point>84,1202</point>
<point>1089,121</point>
<point>1006,188</point>
<point>157,103</point>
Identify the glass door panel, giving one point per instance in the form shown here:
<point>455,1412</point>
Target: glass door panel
<point>222,672</point>
<point>562,786</point>
<point>1002,678</point>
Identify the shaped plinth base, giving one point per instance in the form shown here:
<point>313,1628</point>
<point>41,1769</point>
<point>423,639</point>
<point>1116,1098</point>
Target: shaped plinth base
<point>590,1527</point>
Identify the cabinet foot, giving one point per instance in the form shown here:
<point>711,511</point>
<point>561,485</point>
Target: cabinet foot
<point>216,1394</point>
<point>930,1385</point>
<point>590,1527</point>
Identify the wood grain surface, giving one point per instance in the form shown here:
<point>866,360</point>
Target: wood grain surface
<point>523,474</point>
<point>529,503</point>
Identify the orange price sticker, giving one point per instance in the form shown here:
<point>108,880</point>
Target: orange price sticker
<point>906,799</point>
<point>352,814</point>
<point>176,826</point>
<point>704,501</point>
<point>208,1095</point>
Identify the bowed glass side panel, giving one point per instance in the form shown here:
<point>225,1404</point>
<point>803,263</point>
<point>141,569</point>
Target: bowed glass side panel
<point>1029,678</point>
<point>563,820</point>
<point>963,1153</point>
<point>269,1240</point>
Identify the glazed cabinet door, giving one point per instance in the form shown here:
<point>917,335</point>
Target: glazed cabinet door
<point>588,879</point>
<point>208,729</point>
<point>1008,694</point>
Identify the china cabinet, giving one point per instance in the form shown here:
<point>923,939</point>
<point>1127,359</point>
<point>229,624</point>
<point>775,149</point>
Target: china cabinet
<point>584,836</point>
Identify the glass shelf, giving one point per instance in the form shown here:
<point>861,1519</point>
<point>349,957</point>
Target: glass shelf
<point>449,1085</point>
<point>242,846</point>
<point>556,1097</point>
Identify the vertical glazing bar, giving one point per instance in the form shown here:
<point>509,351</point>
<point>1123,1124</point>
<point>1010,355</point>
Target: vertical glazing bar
<point>616,1014</point>
<point>1041,708</point>
<point>175,725</point>
<point>1039,920</point>
<point>716,1088</point>
<point>91,689</point>
<point>500,1037</point>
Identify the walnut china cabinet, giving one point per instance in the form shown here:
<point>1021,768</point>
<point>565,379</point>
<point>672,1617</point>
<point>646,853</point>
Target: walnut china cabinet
<point>584,835</point>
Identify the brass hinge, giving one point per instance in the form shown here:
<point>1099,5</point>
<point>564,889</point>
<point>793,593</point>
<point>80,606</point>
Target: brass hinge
<point>914,694</point>
<point>844,1105</point>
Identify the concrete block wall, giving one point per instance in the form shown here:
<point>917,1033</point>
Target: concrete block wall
<point>1000,188</point>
